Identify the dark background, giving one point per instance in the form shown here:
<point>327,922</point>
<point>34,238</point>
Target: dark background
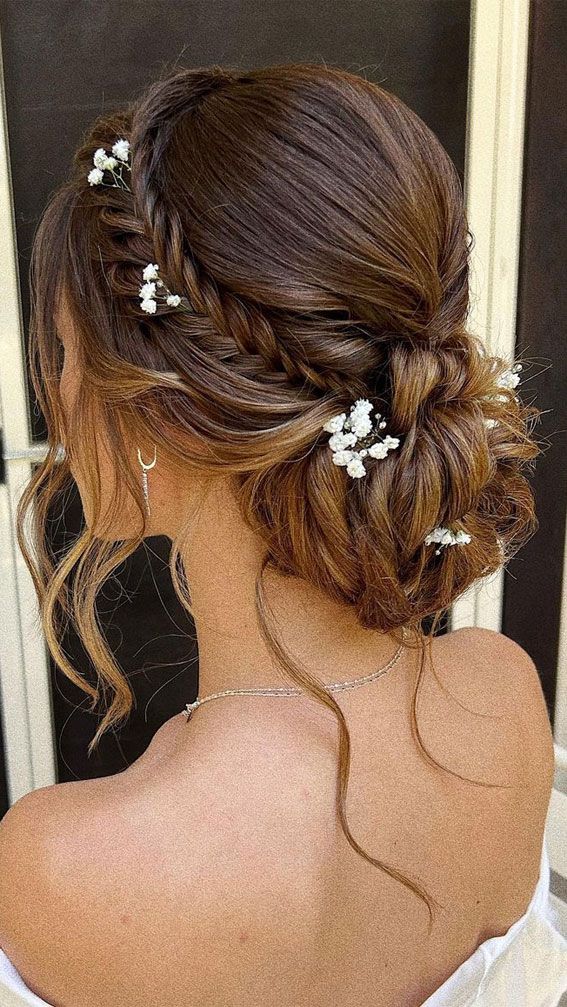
<point>532,597</point>
<point>66,61</point>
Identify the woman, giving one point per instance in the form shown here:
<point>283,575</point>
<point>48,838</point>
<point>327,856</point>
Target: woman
<point>249,334</point>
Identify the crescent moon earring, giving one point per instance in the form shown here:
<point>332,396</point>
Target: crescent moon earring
<point>145,469</point>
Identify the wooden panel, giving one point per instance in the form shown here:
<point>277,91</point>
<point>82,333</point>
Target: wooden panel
<point>532,594</point>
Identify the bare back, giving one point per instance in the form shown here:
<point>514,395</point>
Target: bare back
<point>215,869</point>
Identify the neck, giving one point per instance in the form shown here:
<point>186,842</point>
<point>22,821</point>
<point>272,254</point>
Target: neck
<point>221,558</point>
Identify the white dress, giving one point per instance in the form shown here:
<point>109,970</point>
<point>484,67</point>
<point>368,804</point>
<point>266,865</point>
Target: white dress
<point>525,967</point>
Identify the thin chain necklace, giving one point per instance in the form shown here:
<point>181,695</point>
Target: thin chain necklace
<point>284,691</point>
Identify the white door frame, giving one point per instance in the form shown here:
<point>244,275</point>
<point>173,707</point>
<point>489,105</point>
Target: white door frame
<point>25,693</point>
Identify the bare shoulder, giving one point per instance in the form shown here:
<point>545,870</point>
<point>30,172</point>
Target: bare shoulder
<point>26,832</point>
<point>32,838</point>
<point>97,872</point>
<point>28,887</point>
<point>39,837</point>
<point>500,734</point>
<point>495,675</point>
<point>508,669</point>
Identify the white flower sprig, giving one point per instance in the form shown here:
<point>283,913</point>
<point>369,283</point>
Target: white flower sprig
<point>444,536</point>
<point>115,163</point>
<point>149,291</point>
<point>348,431</point>
<point>510,379</point>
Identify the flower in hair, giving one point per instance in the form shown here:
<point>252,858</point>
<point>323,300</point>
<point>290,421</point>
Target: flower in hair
<point>114,163</point>
<point>347,431</point>
<point>149,290</point>
<point>509,379</point>
<point>444,536</point>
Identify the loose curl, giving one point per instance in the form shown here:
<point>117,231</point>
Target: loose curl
<point>317,227</point>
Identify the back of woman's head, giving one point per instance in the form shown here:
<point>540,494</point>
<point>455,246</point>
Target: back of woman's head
<point>316,228</point>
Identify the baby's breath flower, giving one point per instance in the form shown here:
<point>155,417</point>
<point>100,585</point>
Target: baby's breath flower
<point>95,176</point>
<point>151,271</point>
<point>335,424</point>
<point>444,536</point>
<point>121,149</point>
<point>510,377</point>
<point>380,448</point>
<point>355,468</point>
<point>361,425</point>
<point>149,290</point>
<point>347,431</point>
<point>99,158</point>
<point>341,440</point>
<point>343,457</point>
<point>105,162</point>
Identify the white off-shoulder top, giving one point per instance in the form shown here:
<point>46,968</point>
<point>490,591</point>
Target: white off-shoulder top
<point>525,967</point>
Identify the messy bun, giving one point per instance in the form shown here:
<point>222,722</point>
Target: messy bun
<point>316,227</point>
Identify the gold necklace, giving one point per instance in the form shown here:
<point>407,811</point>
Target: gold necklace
<point>336,687</point>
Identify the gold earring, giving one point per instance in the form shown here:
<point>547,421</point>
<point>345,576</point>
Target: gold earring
<point>145,469</point>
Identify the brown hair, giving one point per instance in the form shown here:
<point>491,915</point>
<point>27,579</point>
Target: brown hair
<point>317,227</point>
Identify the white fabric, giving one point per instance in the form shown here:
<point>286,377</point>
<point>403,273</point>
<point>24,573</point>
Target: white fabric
<point>525,967</point>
